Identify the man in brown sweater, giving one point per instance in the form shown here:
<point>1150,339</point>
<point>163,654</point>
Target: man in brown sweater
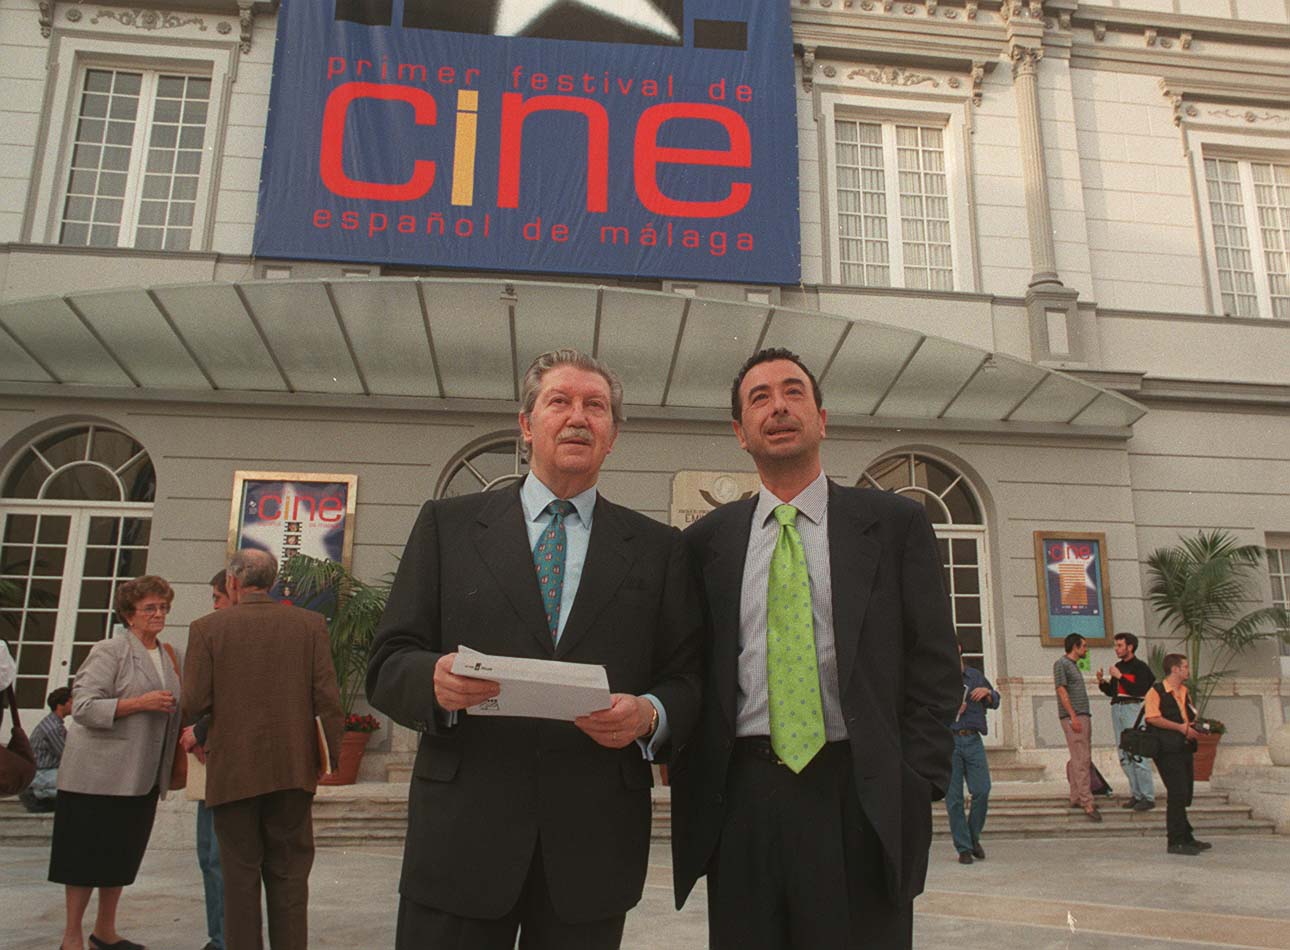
<point>262,671</point>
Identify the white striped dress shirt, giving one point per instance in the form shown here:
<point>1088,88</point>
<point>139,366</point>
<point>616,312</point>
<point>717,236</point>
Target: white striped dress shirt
<point>752,705</point>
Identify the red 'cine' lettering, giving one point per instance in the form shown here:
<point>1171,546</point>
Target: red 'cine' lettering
<point>332,154</point>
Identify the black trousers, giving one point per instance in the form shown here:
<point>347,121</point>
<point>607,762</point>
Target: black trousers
<point>1176,770</point>
<point>798,866</point>
<point>533,916</point>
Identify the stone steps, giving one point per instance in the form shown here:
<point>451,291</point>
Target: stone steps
<point>372,813</point>
<point>376,813</point>
<point>19,827</point>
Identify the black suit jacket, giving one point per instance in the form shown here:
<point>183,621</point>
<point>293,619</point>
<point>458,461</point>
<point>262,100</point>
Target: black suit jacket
<point>484,790</point>
<point>898,672</point>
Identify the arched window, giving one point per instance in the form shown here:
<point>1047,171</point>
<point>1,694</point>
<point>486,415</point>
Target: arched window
<point>955,513</point>
<point>943,492</point>
<point>492,463</point>
<point>75,522</point>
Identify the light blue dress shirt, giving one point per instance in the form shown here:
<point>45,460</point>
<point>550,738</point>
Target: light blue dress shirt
<point>534,497</point>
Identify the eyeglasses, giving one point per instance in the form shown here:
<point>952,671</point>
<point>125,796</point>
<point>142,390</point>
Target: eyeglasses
<point>152,609</point>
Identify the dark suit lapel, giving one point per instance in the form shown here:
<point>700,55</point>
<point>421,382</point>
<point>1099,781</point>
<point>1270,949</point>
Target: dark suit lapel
<point>501,540</point>
<point>723,578</point>
<point>853,563</point>
<point>609,556</point>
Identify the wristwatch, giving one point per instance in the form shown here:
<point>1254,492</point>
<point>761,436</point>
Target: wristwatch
<point>653,721</point>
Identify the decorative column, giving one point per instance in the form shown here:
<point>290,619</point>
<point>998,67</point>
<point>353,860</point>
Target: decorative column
<point>1039,214</point>
<point>1059,334</point>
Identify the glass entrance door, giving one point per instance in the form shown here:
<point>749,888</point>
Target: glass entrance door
<point>61,566</point>
<point>967,581</point>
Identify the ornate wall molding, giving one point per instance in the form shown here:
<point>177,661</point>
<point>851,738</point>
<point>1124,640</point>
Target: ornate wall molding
<point>808,67</point>
<point>1249,115</point>
<point>1251,103</point>
<point>149,19</point>
<point>1025,59</point>
<point>246,17</point>
<point>893,76</point>
<point>46,12</point>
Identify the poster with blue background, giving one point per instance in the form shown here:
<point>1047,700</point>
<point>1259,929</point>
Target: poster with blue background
<point>634,138</point>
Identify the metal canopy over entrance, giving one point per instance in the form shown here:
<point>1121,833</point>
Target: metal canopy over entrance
<point>470,339</point>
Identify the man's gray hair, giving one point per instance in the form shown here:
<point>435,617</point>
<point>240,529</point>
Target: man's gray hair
<point>569,357</point>
<point>254,568</point>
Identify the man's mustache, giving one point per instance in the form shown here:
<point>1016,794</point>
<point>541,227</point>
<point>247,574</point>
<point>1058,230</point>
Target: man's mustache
<point>578,433</point>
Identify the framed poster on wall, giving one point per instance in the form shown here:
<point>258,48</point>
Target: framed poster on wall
<point>1074,594</point>
<point>288,513</point>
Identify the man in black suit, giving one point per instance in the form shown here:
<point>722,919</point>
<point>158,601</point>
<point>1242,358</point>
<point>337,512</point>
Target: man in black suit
<point>523,824</point>
<point>805,794</point>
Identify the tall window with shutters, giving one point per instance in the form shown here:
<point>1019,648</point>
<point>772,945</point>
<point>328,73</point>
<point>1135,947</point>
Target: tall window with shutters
<point>135,159</point>
<point>1249,222</point>
<point>892,199</point>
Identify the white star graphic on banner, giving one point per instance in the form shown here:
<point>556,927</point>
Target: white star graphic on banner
<point>515,16</point>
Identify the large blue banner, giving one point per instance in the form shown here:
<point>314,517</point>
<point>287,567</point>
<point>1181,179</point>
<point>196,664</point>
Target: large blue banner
<point>637,138</point>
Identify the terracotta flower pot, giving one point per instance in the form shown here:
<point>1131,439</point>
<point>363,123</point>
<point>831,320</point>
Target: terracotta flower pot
<point>1206,749</point>
<point>352,745</point>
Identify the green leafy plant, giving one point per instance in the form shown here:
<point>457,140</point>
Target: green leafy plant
<point>353,609</point>
<point>1200,587</point>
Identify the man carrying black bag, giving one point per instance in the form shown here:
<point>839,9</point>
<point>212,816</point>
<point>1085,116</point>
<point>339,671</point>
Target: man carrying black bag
<point>1172,719</point>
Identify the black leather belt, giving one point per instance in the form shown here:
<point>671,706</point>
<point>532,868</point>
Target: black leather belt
<point>966,732</point>
<point>1123,700</point>
<point>759,748</point>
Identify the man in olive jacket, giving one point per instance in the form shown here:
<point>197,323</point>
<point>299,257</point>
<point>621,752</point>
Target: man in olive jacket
<point>262,671</point>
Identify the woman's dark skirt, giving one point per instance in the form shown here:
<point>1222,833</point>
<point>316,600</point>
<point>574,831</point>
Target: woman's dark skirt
<point>99,840</point>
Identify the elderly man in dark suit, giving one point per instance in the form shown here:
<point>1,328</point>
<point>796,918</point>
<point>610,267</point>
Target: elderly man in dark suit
<point>539,827</point>
<point>262,671</point>
<point>832,669</point>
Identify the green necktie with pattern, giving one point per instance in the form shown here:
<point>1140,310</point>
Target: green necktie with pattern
<point>792,674</point>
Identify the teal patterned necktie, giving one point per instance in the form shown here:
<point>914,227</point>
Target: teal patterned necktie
<point>548,558</point>
<point>793,678</point>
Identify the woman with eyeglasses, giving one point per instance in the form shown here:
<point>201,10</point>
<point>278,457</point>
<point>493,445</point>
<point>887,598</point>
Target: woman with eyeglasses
<point>120,749</point>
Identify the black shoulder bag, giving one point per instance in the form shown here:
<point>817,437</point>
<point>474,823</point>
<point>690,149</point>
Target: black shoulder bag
<point>1139,742</point>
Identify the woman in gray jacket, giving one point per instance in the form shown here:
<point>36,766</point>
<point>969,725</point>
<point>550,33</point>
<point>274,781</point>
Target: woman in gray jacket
<point>120,747</point>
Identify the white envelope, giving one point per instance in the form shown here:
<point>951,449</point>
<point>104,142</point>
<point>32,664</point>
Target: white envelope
<point>540,689</point>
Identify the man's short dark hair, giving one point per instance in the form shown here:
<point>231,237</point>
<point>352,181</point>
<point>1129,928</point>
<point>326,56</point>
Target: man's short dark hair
<point>1172,661</point>
<point>1130,639</point>
<point>220,581</point>
<point>58,697</point>
<point>1072,641</point>
<point>767,356</point>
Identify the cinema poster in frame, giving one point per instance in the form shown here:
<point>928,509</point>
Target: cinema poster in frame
<point>288,513</point>
<point>1074,592</point>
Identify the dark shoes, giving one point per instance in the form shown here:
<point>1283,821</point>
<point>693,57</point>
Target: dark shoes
<point>121,944</point>
<point>965,857</point>
<point>1130,803</point>
<point>978,852</point>
<point>1186,847</point>
<point>1093,814</point>
<point>1202,845</point>
<point>34,805</point>
<point>1144,804</point>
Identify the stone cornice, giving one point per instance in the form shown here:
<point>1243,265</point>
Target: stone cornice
<point>1221,29</point>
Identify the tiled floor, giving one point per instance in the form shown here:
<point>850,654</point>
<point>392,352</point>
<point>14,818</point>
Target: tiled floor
<point>1033,894</point>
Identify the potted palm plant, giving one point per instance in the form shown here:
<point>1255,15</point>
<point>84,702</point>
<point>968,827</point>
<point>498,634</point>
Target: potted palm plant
<point>353,609</point>
<point>1200,587</point>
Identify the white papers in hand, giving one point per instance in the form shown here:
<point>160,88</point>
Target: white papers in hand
<point>541,689</point>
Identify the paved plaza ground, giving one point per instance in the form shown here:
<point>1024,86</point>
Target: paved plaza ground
<point>1058,893</point>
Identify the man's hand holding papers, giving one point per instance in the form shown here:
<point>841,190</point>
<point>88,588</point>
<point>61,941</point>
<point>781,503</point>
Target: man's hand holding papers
<point>543,689</point>
<point>455,693</point>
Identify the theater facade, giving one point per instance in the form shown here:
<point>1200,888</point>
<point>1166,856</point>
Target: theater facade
<point>1038,254</point>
